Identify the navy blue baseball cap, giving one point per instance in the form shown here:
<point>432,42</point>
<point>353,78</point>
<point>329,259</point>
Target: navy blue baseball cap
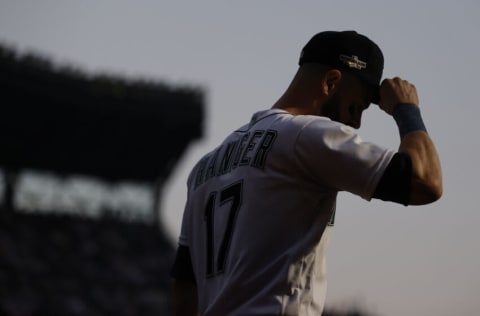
<point>348,51</point>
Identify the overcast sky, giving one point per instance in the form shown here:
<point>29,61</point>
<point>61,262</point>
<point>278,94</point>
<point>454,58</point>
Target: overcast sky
<point>390,259</point>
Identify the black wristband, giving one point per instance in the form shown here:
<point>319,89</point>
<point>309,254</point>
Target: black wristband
<point>408,118</point>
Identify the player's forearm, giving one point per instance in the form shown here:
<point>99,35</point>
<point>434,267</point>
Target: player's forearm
<point>426,170</point>
<point>426,184</point>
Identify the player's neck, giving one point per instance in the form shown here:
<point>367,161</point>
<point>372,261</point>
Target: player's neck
<point>298,104</point>
<point>303,96</point>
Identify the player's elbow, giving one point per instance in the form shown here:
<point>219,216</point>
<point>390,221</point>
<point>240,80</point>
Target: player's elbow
<point>437,188</point>
<point>427,191</point>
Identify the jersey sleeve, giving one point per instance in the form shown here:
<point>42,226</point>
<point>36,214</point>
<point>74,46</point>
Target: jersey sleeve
<point>336,157</point>
<point>185,230</point>
<point>182,269</point>
<point>184,239</point>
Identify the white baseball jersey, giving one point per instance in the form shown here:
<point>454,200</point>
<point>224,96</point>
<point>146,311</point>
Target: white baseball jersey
<point>260,208</point>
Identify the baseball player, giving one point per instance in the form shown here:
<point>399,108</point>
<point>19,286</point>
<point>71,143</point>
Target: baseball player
<point>261,205</point>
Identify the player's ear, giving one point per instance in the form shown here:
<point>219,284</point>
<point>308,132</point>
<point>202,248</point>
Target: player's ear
<point>331,81</point>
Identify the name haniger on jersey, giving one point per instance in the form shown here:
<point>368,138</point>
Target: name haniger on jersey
<point>250,150</point>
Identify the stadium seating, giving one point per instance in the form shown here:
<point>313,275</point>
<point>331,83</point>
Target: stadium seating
<point>54,264</point>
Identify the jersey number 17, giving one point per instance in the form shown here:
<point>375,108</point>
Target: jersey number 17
<point>230,194</point>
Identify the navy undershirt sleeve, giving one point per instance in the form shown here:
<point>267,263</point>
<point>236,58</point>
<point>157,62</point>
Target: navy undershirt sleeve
<point>182,269</point>
<point>395,184</point>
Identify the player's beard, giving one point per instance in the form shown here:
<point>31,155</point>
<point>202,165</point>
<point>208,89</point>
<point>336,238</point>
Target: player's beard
<point>331,108</point>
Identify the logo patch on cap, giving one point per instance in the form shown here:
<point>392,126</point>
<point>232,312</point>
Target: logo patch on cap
<point>353,62</point>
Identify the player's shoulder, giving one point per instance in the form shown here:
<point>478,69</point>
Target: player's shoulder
<point>314,124</point>
<point>283,119</point>
<point>297,128</point>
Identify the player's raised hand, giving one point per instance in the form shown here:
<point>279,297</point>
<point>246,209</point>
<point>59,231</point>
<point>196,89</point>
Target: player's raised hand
<point>395,91</point>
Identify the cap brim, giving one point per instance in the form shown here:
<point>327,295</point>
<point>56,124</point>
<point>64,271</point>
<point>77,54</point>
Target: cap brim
<point>375,94</point>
